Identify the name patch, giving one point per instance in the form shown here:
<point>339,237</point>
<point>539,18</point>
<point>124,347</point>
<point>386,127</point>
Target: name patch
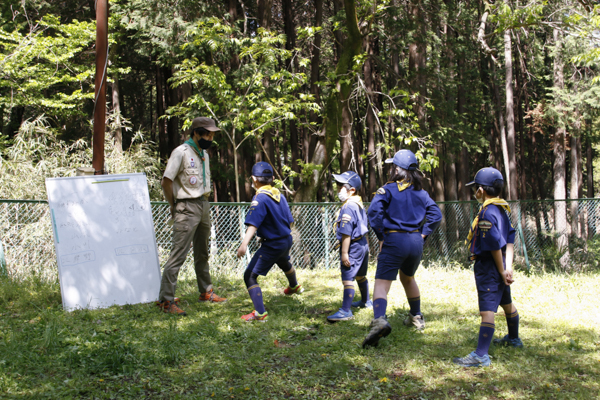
<point>254,203</point>
<point>346,217</point>
<point>381,191</point>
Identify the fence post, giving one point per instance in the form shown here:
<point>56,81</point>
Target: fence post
<point>325,220</point>
<point>2,261</point>
<point>522,237</point>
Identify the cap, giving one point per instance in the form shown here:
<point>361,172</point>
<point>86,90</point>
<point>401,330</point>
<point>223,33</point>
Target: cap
<point>206,123</point>
<point>262,169</point>
<point>404,159</point>
<point>349,177</point>
<point>486,177</point>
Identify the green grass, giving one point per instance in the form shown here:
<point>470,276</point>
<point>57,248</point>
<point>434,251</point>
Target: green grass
<point>136,351</point>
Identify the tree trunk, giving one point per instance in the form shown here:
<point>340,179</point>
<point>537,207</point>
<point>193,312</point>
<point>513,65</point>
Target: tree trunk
<point>503,141</point>
<point>574,192</point>
<point>417,58</point>
<point>163,140</point>
<point>511,176</point>
<point>116,103</point>
<point>264,13</point>
<point>590,168</point>
<point>559,168</point>
<point>371,82</point>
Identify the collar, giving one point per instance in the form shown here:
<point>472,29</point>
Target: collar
<point>402,185</point>
<point>194,146</point>
<point>354,199</point>
<point>270,191</point>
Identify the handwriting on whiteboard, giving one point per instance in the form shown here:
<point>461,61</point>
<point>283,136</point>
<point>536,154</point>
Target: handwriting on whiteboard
<point>131,249</point>
<point>78,258</point>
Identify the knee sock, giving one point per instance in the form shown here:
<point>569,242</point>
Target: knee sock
<point>512,320</point>
<point>379,307</point>
<point>256,296</point>
<point>363,286</point>
<point>291,277</point>
<point>415,305</point>
<point>348,297</point>
<point>486,333</point>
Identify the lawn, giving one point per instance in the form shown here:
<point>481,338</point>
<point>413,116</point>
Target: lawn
<point>136,351</point>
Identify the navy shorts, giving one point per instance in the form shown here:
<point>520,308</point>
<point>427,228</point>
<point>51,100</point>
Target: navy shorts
<point>270,253</point>
<point>491,290</point>
<point>359,260</point>
<point>401,251</point>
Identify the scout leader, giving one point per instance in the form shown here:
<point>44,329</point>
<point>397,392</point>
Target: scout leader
<point>491,242</point>
<point>402,215</point>
<point>186,186</point>
<point>270,218</point>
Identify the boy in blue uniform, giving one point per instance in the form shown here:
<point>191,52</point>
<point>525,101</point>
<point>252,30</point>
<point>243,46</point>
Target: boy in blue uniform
<point>269,216</point>
<point>491,241</point>
<point>402,215</point>
<point>351,232</point>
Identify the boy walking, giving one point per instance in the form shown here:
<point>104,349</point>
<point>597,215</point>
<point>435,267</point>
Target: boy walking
<point>491,242</point>
<point>351,232</point>
<point>269,216</point>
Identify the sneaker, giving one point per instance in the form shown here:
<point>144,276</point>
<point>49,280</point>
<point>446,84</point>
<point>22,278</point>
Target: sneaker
<point>379,328</point>
<point>362,304</point>
<point>417,320</point>
<point>295,290</point>
<point>254,316</point>
<point>212,297</point>
<point>341,315</point>
<point>507,341</point>
<point>473,360</point>
<point>170,307</point>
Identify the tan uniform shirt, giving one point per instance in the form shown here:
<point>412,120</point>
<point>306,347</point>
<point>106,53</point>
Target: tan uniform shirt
<point>190,178</point>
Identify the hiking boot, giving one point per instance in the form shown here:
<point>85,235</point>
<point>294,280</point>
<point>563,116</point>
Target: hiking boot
<point>341,315</point>
<point>473,360</point>
<point>170,307</point>
<point>507,341</point>
<point>254,316</point>
<point>212,297</point>
<point>417,320</point>
<point>379,328</point>
<point>362,304</point>
<point>295,290</point>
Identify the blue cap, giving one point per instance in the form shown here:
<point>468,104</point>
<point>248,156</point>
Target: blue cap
<point>404,159</point>
<point>262,169</point>
<point>349,177</point>
<point>486,177</point>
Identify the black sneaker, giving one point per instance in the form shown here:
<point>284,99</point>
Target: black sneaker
<point>380,328</point>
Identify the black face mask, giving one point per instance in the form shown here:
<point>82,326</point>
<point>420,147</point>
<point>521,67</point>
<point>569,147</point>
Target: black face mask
<point>204,144</point>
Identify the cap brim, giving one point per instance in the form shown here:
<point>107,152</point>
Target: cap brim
<point>389,161</point>
<point>212,128</point>
<point>470,183</point>
<point>339,178</point>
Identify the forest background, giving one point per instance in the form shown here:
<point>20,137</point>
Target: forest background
<point>313,87</point>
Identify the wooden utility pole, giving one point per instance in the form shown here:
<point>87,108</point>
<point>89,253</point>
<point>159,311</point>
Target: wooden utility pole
<point>100,86</point>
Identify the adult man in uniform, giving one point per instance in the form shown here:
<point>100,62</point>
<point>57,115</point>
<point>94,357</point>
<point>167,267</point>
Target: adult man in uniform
<point>186,185</point>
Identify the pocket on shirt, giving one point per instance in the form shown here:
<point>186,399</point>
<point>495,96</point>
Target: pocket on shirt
<point>191,177</point>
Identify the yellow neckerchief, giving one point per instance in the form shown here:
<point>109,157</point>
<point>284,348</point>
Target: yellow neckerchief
<point>496,201</point>
<point>352,199</point>
<point>402,185</point>
<point>272,192</point>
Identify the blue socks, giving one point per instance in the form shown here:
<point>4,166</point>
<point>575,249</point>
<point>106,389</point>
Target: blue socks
<point>486,334</point>
<point>348,297</point>
<point>415,305</point>
<point>363,286</point>
<point>291,277</point>
<point>512,320</point>
<point>379,307</point>
<point>256,296</point>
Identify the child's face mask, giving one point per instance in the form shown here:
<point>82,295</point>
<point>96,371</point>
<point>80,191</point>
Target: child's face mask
<point>479,195</point>
<point>343,194</point>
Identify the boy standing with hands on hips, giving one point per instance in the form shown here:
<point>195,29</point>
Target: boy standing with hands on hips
<point>351,232</point>
<point>270,218</point>
<point>491,242</point>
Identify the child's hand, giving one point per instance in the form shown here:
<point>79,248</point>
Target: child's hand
<point>507,277</point>
<point>345,259</point>
<point>241,251</point>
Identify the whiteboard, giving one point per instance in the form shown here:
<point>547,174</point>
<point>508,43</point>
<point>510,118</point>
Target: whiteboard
<point>104,240</point>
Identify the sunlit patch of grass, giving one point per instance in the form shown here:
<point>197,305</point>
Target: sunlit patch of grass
<point>136,351</point>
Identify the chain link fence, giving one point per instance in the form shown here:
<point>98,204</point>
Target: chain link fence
<point>550,235</point>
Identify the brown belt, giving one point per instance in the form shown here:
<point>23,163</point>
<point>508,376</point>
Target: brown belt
<point>400,231</point>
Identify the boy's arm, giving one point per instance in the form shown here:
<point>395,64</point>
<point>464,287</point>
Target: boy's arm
<point>345,248</point>
<point>506,274</point>
<point>250,231</point>
<point>510,252</point>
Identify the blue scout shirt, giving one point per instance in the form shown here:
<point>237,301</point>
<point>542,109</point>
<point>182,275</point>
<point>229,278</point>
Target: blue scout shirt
<point>398,206</point>
<point>352,219</point>
<point>270,214</point>
<point>493,230</point>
